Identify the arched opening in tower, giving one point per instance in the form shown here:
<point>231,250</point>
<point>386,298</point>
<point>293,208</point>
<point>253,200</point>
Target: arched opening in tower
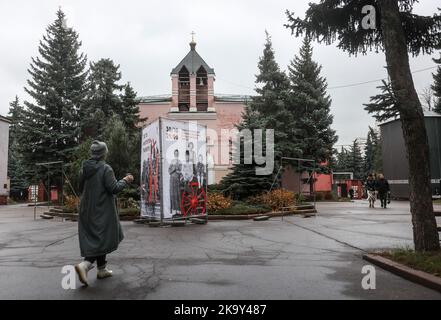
<point>184,90</point>
<point>201,89</point>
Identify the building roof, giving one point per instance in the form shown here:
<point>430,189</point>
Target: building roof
<point>232,98</point>
<point>192,61</point>
<point>427,114</point>
<point>155,98</point>
<point>4,119</point>
<point>217,97</point>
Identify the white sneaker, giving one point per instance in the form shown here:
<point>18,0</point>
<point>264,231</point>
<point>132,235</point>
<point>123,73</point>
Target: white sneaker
<point>104,273</point>
<point>82,269</point>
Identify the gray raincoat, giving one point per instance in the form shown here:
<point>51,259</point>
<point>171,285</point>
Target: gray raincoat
<point>99,229</point>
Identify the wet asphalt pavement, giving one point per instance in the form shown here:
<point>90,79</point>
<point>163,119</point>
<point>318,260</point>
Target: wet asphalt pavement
<point>293,258</point>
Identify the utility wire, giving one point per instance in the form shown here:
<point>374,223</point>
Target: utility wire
<point>335,87</point>
<point>377,80</point>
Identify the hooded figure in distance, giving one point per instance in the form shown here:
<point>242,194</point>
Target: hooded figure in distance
<point>99,230</point>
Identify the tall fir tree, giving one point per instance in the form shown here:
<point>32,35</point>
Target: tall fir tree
<point>436,86</point>
<point>372,153</point>
<point>129,109</point>
<point>378,157</point>
<point>16,166</point>
<point>267,110</point>
<point>356,160</point>
<point>82,153</point>
<point>103,98</point>
<point>369,156</point>
<point>242,182</point>
<point>118,143</point>
<point>15,115</point>
<point>57,88</point>
<point>124,146</point>
<point>342,162</point>
<point>310,104</point>
<point>369,153</point>
<point>272,104</point>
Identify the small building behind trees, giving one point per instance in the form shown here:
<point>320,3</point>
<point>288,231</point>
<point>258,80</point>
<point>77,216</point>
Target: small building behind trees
<point>4,147</point>
<point>395,164</point>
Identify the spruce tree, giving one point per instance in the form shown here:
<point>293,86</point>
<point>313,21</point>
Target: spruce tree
<point>310,104</point>
<point>130,109</point>
<point>356,160</point>
<point>15,115</point>
<point>16,166</point>
<point>378,152</point>
<point>267,110</point>
<point>57,88</point>
<point>242,182</point>
<point>342,160</point>
<point>436,86</point>
<point>118,143</point>
<point>82,153</point>
<point>373,161</point>
<point>369,154</point>
<point>131,118</point>
<point>272,104</point>
<point>103,98</point>
<point>135,155</point>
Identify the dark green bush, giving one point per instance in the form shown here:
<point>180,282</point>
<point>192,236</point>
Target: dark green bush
<point>131,192</point>
<point>239,208</point>
<point>214,188</point>
<point>133,212</point>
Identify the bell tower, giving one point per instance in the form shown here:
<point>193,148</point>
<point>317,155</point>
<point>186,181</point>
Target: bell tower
<point>192,84</point>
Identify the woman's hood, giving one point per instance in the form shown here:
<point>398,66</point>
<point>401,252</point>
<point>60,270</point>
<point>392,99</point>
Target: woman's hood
<point>90,167</point>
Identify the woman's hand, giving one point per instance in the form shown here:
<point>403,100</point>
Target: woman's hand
<point>128,178</point>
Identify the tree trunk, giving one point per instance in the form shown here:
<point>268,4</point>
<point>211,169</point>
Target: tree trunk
<point>425,233</point>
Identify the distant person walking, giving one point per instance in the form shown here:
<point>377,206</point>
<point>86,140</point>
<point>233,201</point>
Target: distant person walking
<point>383,190</point>
<point>370,186</point>
<point>99,229</point>
<point>351,193</point>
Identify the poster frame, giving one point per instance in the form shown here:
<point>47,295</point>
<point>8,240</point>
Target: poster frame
<point>160,120</point>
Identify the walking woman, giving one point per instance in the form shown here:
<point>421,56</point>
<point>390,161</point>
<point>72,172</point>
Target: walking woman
<point>99,229</point>
<point>383,190</point>
<point>370,186</point>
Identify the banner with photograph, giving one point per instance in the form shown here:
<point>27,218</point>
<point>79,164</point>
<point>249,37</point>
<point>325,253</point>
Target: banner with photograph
<point>150,172</point>
<point>184,169</point>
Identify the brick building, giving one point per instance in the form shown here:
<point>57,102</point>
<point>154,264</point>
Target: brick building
<point>192,98</point>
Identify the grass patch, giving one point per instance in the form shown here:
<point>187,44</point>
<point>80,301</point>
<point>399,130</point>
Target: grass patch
<point>239,208</point>
<point>437,201</point>
<point>429,262</point>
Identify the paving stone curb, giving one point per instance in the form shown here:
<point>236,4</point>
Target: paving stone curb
<point>252,216</point>
<point>417,276</point>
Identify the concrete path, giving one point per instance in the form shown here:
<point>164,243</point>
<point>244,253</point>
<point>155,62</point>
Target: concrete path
<point>293,258</point>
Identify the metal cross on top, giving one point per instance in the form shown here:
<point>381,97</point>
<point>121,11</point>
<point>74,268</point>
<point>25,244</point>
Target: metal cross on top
<point>192,36</point>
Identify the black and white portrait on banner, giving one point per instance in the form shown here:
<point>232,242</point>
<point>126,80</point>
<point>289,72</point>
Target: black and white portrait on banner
<point>185,169</point>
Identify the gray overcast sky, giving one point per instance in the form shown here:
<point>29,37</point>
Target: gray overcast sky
<point>148,38</point>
